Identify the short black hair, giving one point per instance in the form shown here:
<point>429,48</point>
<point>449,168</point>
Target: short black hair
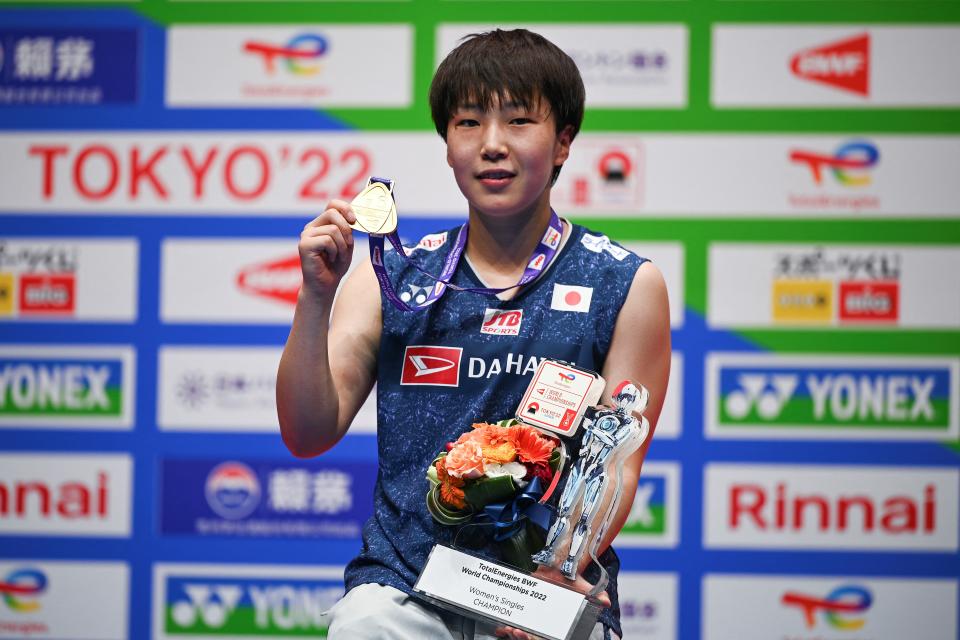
<point>518,63</point>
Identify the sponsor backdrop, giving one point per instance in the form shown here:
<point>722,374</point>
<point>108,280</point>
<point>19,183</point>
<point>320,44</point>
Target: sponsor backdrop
<point>791,167</point>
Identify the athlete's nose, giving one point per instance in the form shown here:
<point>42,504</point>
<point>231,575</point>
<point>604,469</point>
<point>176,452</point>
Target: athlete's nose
<point>494,143</point>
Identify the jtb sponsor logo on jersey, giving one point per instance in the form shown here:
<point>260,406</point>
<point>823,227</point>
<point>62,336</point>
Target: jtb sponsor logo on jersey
<point>797,607</point>
<point>213,601</point>
<point>66,386</point>
<point>263,498</point>
<point>831,507</point>
<point>502,322</point>
<point>435,366</point>
<point>654,517</point>
<point>782,396</point>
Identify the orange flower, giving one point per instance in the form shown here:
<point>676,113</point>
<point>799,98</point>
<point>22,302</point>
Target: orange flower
<point>445,477</point>
<point>465,460</point>
<point>501,453</point>
<point>452,496</point>
<point>531,446</point>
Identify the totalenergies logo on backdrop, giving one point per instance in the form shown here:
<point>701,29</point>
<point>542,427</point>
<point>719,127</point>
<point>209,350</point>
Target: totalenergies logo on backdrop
<point>300,55</point>
<point>844,65</point>
<point>850,164</point>
<point>20,589</point>
<point>840,607</point>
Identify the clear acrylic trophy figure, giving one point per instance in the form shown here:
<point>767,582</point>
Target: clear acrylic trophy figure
<point>560,400</point>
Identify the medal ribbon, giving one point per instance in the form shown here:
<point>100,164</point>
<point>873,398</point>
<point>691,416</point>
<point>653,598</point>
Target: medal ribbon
<point>543,255</point>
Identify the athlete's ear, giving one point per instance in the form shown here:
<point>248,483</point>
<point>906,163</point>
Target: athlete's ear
<point>564,140</point>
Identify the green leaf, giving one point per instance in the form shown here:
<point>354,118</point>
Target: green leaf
<point>442,514</point>
<point>489,490</point>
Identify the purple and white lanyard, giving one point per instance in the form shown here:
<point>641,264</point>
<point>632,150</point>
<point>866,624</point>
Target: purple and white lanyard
<point>542,255</point>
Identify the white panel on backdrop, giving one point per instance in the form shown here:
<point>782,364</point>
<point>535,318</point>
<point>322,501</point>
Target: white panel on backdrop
<point>654,518</point>
<point>648,605</point>
<point>670,424</point>
<point>669,259</point>
<point>238,173</point>
<point>289,66</point>
<point>224,601</point>
<point>205,388</point>
<point>64,279</point>
<point>753,607</point>
<point>67,386</point>
<point>772,396</point>
<point>64,600</point>
<point>852,508</point>
<point>62,494</point>
<point>638,65</point>
<point>835,65</point>
<point>824,285</point>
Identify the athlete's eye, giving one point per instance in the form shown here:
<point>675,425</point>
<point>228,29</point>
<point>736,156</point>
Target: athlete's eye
<point>521,120</point>
<point>467,122</point>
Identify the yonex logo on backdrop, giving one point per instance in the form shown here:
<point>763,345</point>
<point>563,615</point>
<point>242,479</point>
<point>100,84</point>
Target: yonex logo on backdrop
<point>648,512</point>
<point>839,607</point>
<point>844,65</point>
<point>433,366</point>
<point>21,588</point>
<point>299,54</point>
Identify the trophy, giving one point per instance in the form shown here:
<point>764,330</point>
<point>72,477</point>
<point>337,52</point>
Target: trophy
<point>560,404</point>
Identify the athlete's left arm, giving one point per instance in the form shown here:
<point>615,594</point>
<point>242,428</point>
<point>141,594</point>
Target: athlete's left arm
<point>639,352</point>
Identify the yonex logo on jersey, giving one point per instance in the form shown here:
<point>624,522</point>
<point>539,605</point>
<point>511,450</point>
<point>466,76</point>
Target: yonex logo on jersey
<point>433,366</point>
<point>501,322</point>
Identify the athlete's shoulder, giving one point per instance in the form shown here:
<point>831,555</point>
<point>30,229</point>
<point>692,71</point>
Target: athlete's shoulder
<point>596,245</point>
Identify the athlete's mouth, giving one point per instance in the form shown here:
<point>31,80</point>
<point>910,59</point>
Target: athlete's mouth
<point>495,174</point>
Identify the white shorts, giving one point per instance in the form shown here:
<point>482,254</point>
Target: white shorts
<point>377,612</point>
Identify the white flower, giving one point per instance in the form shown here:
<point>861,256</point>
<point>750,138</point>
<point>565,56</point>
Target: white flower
<point>514,469</point>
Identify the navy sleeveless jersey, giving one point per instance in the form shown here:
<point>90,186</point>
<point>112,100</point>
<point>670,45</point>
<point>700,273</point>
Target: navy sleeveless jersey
<point>468,358</point>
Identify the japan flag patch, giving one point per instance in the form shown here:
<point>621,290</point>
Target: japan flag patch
<point>568,297</point>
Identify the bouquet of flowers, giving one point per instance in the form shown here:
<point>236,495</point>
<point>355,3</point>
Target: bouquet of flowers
<point>498,477</point>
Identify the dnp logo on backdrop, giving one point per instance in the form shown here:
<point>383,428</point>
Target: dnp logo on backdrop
<point>62,67</point>
<point>67,387</point>
<point>264,498</point>
<point>828,608</point>
<point>654,519</point>
<point>50,599</point>
<point>807,396</point>
<point>213,601</point>
<point>648,605</point>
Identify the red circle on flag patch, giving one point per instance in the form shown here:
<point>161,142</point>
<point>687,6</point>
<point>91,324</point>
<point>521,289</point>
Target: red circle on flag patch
<point>572,298</point>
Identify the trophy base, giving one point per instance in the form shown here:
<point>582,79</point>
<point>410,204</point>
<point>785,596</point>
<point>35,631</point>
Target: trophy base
<point>484,590</point>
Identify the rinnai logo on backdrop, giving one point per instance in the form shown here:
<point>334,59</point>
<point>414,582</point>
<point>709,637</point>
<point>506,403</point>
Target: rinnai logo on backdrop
<point>214,601</point>
<point>844,65</point>
<point>431,366</point>
<point>65,494</point>
<point>300,54</point>
<point>38,279</point>
<point>502,322</point>
<point>848,287</point>
<point>851,166</point>
<point>774,396</point>
<point>831,507</point>
<point>841,608</point>
<point>277,280</point>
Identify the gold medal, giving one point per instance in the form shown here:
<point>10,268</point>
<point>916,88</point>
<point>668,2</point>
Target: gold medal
<point>375,209</point>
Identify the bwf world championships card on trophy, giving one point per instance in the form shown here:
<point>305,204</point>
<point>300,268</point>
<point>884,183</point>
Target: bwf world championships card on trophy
<point>501,477</point>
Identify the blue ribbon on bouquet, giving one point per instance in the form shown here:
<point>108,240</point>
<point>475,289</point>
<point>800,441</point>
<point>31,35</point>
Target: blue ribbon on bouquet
<point>507,518</point>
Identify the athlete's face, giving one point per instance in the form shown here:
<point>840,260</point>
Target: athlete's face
<point>503,158</point>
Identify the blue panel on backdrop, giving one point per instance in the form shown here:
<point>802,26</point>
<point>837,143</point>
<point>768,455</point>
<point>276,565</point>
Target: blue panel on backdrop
<point>265,498</point>
<point>65,67</point>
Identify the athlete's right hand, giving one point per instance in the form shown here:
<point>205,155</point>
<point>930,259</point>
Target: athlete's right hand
<point>326,249</point>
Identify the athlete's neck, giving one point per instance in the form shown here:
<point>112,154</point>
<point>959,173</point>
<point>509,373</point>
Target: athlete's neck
<point>501,246</point>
